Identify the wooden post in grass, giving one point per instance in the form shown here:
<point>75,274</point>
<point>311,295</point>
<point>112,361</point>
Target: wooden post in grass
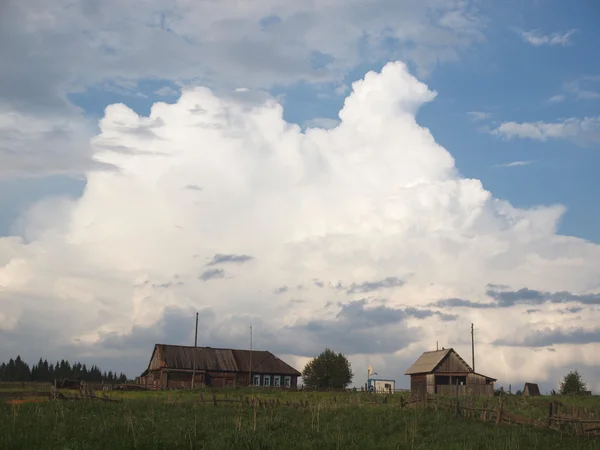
<point>499,417</point>
<point>214,398</point>
<point>457,412</point>
<point>550,414</point>
<point>194,358</point>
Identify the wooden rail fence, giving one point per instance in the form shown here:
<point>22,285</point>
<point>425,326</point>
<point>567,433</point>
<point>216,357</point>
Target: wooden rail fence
<point>500,416</point>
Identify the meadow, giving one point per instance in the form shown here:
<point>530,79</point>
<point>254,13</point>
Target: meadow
<point>282,420</point>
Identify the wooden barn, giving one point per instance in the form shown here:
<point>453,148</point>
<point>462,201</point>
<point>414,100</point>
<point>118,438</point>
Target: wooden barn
<point>171,367</point>
<point>531,389</point>
<point>438,372</point>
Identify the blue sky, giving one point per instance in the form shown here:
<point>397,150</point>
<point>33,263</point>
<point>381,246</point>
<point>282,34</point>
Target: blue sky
<point>517,107</point>
<point>504,76</point>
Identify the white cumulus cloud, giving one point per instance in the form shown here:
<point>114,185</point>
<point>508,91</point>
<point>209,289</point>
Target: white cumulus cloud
<point>62,47</point>
<point>362,237</point>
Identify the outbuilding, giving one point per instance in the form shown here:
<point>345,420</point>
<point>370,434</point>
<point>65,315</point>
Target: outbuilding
<point>531,389</point>
<point>443,372</point>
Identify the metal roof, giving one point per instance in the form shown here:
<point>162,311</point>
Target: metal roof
<point>222,360</point>
<point>179,357</point>
<point>428,361</point>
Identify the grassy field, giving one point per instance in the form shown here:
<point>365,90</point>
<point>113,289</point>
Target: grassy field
<point>331,421</point>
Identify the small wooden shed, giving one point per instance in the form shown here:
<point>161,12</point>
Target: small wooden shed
<point>440,371</point>
<point>531,389</point>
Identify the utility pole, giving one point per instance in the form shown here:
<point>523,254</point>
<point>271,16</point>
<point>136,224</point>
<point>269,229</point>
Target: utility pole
<point>472,348</point>
<point>195,351</point>
<point>250,374</point>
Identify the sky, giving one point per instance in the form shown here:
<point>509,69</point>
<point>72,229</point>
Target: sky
<point>371,176</point>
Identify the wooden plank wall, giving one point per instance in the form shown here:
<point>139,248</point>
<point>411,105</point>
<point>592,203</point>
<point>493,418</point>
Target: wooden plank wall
<point>452,363</point>
<point>473,389</point>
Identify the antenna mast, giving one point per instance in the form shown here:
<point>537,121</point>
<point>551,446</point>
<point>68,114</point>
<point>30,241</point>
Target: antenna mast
<point>195,351</point>
<point>472,348</point>
<point>250,374</point>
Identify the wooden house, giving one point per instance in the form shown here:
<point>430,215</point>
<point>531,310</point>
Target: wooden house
<point>443,372</point>
<point>172,366</point>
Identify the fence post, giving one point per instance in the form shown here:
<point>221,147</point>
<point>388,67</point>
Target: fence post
<point>457,412</point>
<point>550,414</point>
<point>499,418</point>
<point>215,398</point>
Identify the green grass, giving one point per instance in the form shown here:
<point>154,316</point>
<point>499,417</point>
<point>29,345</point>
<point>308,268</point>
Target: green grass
<point>161,420</point>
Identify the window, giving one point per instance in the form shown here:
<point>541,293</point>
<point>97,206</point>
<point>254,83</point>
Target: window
<point>287,381</point>
<point>256,380</point>
<point>266,380</point>
<point>276,381</point>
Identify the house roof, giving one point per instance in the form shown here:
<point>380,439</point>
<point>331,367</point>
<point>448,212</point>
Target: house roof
<point>485,376</point>
<point>428,361</point>
<point>222,360</point>
<point>532,389</point>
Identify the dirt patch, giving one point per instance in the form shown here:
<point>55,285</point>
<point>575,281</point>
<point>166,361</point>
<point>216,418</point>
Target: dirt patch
<point>20,401</point>
<point>22,394</point>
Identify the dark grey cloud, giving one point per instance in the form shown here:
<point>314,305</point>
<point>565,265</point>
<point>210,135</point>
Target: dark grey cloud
<point>534,297</point>
<point>176,326</point>
<point>280,290</point>
<point>212,274</point>
<point>461,303</point>
<point>548,337</point>
<point>356,329</point>
<point>193,187</point>
<point>383,315</point>
<point>221,258</point>
<point>167,284</point>
<point>525,296</point>
<point>318,283</point>
<point>370,286</point>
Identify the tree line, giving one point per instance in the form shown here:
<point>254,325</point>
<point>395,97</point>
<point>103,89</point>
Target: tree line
<point>18,370</point>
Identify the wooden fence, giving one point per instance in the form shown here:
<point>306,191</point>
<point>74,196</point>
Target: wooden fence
<point>575,422</point>
<point>40,385</point>
<point>24,385</point>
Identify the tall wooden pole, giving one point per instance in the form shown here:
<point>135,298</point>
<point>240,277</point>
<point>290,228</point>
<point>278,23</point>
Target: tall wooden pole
<point>194,358</point>
<point>472,348</point>
<point>250,383</point>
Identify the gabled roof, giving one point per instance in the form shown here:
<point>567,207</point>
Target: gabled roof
<point>221,360</point>
<point>532,389</point>
<point>428,361</point>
